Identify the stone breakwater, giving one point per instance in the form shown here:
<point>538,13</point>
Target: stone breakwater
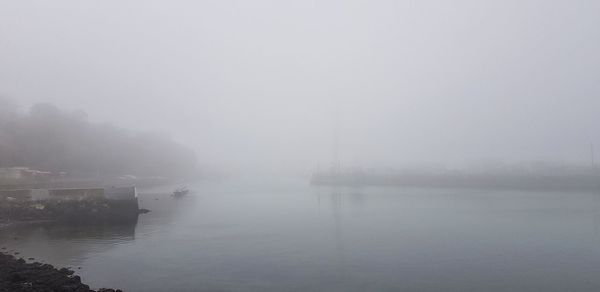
<point>68,210</point>
<point>92,204</point>
<point>16,275</point>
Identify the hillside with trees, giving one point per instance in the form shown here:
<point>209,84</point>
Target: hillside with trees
<point>50,139</point>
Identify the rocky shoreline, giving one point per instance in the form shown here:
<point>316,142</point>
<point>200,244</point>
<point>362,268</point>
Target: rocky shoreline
<point>17,275</point>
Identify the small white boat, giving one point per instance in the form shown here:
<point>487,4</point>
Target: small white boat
<point>180,192</point>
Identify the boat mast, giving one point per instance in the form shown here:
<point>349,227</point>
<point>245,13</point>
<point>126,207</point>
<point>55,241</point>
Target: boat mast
<point>335,163</point>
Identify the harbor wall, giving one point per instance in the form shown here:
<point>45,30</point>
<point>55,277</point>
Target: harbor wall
<point>71,204</point>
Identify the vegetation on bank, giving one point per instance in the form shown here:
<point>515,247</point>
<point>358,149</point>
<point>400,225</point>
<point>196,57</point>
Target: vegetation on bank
<point>49,139</point>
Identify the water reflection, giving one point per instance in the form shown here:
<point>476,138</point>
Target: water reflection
<point>107,231</point>
<point>338,199</point>
<point>336,211</point>
<point>65,244</point>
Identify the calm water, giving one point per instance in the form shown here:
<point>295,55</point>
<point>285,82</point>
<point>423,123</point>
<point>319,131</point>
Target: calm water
<point>289,236</point>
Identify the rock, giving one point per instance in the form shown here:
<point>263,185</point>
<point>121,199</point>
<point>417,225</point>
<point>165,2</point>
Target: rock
<point>143,211</point>
<point>66,271</point>
<point>18,276</point>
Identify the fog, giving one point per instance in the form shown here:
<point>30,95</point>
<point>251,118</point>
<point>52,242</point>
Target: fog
<point>257,85</point>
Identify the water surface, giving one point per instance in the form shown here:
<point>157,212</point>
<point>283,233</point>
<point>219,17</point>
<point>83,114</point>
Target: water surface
<point>289,236</point>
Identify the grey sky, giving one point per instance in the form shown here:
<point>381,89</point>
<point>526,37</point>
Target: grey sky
<point>249,83</point>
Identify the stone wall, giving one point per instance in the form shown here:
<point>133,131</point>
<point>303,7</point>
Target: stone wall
<point>69,204</point>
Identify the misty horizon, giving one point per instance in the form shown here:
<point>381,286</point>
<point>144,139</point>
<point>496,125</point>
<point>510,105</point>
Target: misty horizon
<point>256,85</point>
<point>272,146</point>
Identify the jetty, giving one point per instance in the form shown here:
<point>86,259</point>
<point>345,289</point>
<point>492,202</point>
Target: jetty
<point>81,204</point>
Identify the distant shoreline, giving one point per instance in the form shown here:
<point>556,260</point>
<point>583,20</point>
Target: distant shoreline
<point>587,182</point>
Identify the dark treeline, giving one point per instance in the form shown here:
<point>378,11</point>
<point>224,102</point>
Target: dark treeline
<point>49,139</point>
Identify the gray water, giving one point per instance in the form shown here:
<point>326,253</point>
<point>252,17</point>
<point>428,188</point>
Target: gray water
<point>289,236</point>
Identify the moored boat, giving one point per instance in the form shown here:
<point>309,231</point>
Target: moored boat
<point>180,192</point>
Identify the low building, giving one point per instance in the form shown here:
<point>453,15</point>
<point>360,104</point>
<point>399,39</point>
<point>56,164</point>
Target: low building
<point>13,173</point>
<point>22,173</point>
